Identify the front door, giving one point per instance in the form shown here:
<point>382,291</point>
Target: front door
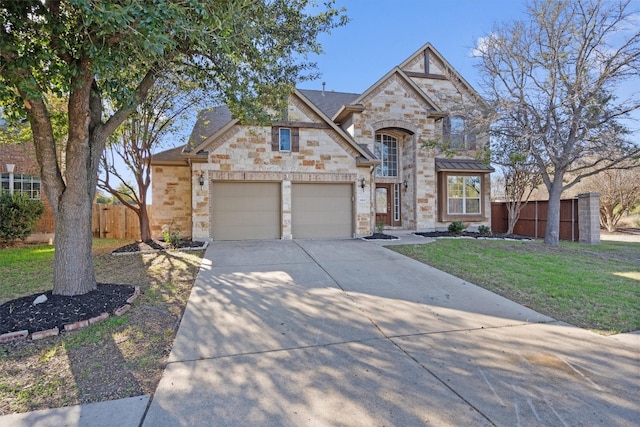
<point>388,204</point>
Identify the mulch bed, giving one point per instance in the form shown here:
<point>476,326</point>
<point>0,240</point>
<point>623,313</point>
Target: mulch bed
<point>158,245</point>
<point>380,236</point>
<point>20,314</point>
<point>436,234</point>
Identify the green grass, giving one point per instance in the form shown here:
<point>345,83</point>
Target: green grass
<point>96,334</point>
<point>28,269</point>
<point>591,286</point>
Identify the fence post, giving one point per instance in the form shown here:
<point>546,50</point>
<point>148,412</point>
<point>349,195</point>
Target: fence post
<point>589,218</point>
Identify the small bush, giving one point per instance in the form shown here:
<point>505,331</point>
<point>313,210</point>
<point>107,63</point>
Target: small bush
<point>380,227</point>
<point>484,230</point>
<point>456,227</point>
<point>171,237</point>
<point>18,216</point>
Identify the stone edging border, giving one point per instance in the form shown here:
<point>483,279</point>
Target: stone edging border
<point>150,251</point>
<point>80,324</point>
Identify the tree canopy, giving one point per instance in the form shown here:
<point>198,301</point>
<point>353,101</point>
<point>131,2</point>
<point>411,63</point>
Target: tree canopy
<point>554,85</point>
<point>162,114</point>
<point>105,56</point>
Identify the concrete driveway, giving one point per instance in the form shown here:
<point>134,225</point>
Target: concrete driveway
<point>348,333</point>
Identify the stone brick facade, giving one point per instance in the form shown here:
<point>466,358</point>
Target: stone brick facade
<point>171,193</point>
<point>336,134</point>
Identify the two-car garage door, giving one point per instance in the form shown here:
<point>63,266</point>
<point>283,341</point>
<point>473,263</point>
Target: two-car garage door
<point>249,211</point>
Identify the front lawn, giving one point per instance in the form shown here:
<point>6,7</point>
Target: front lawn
<point>591,286</point>
<point>120,357</point>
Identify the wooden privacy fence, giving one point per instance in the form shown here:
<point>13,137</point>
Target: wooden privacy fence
<point>115,221</point>
<point>533,219</point>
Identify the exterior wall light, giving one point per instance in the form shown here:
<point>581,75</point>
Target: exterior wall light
<point>363,182</point>
<point>201,180</point>
<point>405,184</point>
<point>10,168</point>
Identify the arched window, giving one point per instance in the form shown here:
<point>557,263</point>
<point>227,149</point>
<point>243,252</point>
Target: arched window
<point>386,149</point>
<point>25,184</point>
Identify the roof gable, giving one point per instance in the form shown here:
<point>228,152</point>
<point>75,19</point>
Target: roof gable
<point>411,86</point>
<point>214,123</point>
<point>424,54</point>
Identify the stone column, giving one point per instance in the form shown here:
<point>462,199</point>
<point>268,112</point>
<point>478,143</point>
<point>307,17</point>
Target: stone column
<point>589,217</point>
<point>287,229</point>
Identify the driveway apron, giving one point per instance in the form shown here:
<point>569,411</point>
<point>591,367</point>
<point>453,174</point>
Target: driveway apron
<point>349,333</point>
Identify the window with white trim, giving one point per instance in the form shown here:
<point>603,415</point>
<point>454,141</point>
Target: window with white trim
<point>463,194</point>
<point>386,149</point>
<point>24,184</point>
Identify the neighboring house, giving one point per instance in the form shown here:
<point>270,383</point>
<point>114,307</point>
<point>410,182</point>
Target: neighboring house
<point>20,173</point>
<point>336,165</point>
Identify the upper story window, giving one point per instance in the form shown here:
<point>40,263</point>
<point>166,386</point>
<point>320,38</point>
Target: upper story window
<point>463,194</point>
<point>285,139</point>
<point>457,133</point>
<point>386,149</point>
<point>25,184</point>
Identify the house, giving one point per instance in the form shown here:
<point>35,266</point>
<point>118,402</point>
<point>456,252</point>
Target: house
<point>336,164</point>
<point>19,172</point>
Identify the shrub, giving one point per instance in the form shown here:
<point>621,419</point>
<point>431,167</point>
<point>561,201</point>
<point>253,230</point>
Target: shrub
<point>380,227</point>
<point>171,237</point>
<point>18,216</point>
<point>484,230</point>
<point>456,227</point>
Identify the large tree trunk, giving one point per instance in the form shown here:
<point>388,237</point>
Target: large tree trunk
<point>71,192</point>
<point>143,217</point>
<point>73,272</point>
<point>552,232</point>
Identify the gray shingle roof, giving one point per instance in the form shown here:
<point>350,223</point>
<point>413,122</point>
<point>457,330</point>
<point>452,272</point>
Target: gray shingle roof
<point>209,122</point>
<point>462,165</point>
<point>329,102</point>
<point>172,154</point>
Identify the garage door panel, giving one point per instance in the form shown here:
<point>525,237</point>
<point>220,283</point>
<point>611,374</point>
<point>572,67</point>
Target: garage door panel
<point>322,210</point>
<point>245,211</point>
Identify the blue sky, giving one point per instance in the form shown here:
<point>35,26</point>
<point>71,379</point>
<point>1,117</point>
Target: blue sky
<point>383,33</point>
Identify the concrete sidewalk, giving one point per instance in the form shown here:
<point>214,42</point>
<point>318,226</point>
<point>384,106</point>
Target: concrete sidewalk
<point>346,332</point>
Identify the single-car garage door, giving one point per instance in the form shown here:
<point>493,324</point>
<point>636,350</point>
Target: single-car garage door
<point>321,210</point>
<point>245,210</point>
